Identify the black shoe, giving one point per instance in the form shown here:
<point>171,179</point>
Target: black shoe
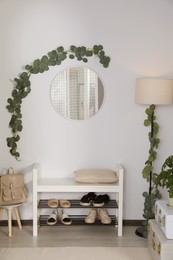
<point>106,198</point>
<point>86,200</point>
<point>92,196</point>
<point>100,200</point>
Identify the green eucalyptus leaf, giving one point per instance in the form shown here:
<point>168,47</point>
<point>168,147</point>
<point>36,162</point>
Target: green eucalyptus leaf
<point>147,122</point>
<point>19,128</point>
<point>78,49</point>
<point>79,58</point>
<point>145,194</point>
<point>100,47</point>
<point>148,111</point>
<point>89,53</point>
<point>83,49</point>
<point>147,168</point>
<point>101,54</point>
<point>62,56</point>
<point>28,67</point>
<point>45,59</point>
<point>54,54</point>
<point>52,62</point>
<point>14,145</point>
<point>85,60</point>
<point>77,54</point>
<point>10,101</point>
<point>10,109</point>
<point>147,205</point>
<point>50,54</point>
<point>71,56</point>
<point>58,62</point>
<point>73,48</point>
<point>17,155</point>
<point>35,70</point>
<point>95,49</point>
<point>60,49</point>
<point>14,93</point>
<point>17,138</point>
<point>152,107</point>
<point>105,65</point>
<point>24,75</point>
<point>36,63</point>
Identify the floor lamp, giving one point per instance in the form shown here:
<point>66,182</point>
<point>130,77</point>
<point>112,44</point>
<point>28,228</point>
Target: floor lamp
<point>151,92</point>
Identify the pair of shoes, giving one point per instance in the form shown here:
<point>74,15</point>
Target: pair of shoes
<point>54,203</point>
<point>58,214</point>
<point>87,199</point>
<point>97,201</point>
<point>100,214</point>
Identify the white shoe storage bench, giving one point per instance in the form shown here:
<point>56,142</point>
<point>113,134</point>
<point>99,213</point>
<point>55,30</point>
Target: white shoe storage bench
<point>50,185</point>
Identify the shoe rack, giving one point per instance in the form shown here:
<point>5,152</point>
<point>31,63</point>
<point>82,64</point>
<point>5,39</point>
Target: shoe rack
<point>78,219</point>
<point>45,185</point>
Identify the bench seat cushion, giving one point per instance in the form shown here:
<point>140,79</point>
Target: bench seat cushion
<point>95,176</point>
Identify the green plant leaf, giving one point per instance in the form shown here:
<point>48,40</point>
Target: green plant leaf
<point>60,49</point>
<point>89,53</point>
<point>147,122</point>
<point>145,194</point>
<point>28,67</point>
<point>71,56</point>
<point>85,60</point>
<point>100,47</point>
<point>73,48</point>
<point>95,49</point>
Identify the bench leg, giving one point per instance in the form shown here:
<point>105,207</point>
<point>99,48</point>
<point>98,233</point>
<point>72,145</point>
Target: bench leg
<point>16,210</point>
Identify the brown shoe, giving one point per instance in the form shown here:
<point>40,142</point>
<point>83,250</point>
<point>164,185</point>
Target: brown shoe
<point>103,216</point>
<point>90,219</point>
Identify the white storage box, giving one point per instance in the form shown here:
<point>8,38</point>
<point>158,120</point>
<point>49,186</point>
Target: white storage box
<point>164,217</point>
<point>159,246</point>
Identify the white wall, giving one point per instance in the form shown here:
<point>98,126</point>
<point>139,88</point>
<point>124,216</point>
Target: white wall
<point>138,37</point>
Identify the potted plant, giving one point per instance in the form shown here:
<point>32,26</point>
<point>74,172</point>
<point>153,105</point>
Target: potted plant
<point>165,178</point>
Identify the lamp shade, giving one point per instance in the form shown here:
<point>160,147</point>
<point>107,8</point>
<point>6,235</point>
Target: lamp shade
<point>154,91</point>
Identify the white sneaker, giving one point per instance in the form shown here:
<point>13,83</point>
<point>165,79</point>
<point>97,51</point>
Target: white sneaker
<point>103,216</point>
<point>91,216</point>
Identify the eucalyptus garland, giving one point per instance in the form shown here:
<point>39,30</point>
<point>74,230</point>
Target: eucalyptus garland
<point>153,139</point>
<point>153,194</point>
<point>22,84</point>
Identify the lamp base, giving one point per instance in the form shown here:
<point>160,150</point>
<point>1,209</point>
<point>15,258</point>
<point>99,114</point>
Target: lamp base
<point>140,232</point>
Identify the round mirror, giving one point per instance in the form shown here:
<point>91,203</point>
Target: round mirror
<point>77,93</point>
